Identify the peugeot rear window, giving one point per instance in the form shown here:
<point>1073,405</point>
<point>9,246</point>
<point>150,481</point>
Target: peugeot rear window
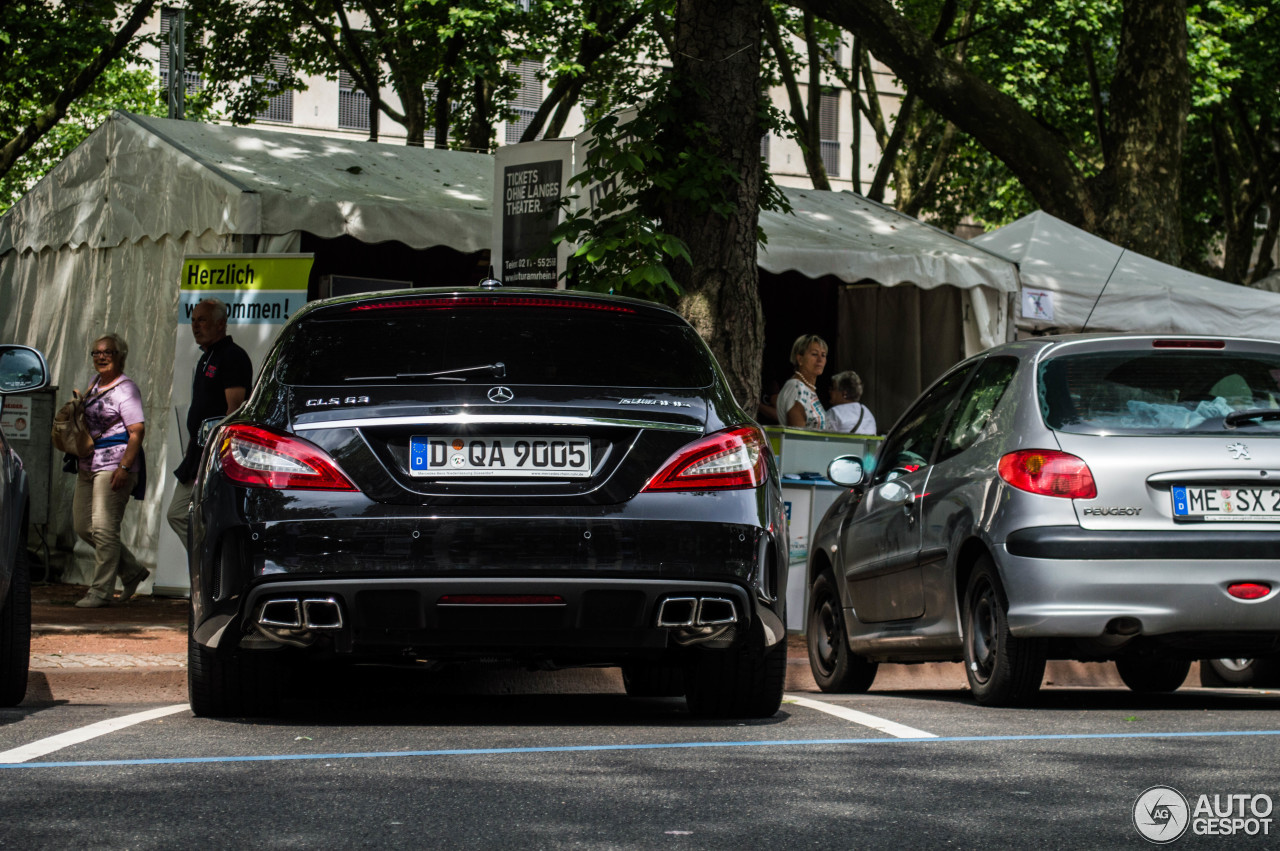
<point>533,345</point>
<point>1161,392</point>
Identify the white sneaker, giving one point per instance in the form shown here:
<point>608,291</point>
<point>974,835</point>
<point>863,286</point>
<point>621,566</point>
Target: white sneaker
<point>90,602</point>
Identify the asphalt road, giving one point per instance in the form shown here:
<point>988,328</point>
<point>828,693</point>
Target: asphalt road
<point>464,761</point>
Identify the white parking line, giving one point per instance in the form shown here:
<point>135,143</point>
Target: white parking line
<point>84,734</point>
<point>901,731</point>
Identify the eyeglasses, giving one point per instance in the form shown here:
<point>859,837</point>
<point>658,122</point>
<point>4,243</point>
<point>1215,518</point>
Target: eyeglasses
<point>103,353</point>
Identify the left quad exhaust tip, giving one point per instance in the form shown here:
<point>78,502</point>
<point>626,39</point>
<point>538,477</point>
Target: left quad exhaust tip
<point>319,613</point>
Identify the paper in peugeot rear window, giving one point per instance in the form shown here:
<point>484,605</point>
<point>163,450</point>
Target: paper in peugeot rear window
<point>1157,392</point>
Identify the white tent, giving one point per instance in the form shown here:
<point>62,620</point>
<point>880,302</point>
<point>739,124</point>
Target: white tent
<point>98,246</point>
<point>1087,278</point>
<point>856,240</point>
<point>912,299</point>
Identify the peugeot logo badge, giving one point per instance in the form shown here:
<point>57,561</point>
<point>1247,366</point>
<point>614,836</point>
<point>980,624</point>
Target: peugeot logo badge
<point>1239,451</point>
<point>501,394</point>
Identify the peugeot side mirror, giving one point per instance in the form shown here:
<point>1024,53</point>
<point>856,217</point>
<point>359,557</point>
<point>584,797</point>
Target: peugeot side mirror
<point>846,471</point>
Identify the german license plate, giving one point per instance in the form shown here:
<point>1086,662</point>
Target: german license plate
<point>1226,504</point>
<point>505,457</point>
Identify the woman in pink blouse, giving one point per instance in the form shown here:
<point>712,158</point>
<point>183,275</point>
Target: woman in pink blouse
<point>107,476</point>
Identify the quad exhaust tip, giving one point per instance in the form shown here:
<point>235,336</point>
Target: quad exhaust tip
<point>677,612</point>
<point>304,613</point>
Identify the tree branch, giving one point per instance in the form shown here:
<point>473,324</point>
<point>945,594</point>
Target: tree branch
<point>75,89</point>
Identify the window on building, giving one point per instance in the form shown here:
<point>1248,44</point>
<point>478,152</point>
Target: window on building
<point>764,147</point>
<point>279,107</point>
<point>353,104</point>
<point>528,97</point>
<point>429,132</point>
<point>168,16</point>
<point>829,132</point>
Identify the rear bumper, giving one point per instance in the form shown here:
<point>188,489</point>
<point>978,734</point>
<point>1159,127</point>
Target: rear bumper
<point>1189,542</point>
<point>1073,597</point>
<point>570,621</point>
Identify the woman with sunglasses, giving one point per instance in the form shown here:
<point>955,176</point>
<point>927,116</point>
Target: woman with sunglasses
<point>107,476</point>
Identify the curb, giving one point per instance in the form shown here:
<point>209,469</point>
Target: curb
<point>82,629</point>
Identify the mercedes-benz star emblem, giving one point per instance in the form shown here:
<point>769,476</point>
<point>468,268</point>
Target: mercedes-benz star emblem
<point>501,394</point>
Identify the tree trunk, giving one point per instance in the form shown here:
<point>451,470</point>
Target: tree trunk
<point>414,103</point>
<point>716,74</point>
<point>1150,99</point>
<point>480,128</point>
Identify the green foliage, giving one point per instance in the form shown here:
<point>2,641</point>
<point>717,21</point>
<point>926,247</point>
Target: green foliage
<point>1040,54</point>
<point>118,88</point>
<point>1234,55</point>
<point>47,45</point>
<point>633,164</point>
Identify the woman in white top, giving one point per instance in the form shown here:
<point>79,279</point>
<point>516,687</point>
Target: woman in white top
<point>798,402</point>
<point>847,413</point>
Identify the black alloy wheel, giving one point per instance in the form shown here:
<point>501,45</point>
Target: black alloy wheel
<point>1240,673</point>
<point>1002,670</point>
<point>836,668</point>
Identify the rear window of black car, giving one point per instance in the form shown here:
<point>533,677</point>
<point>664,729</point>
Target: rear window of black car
<point>1158,392</point>
<point>536,345</point>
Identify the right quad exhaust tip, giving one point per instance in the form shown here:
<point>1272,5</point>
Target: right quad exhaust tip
<point>681,612</point>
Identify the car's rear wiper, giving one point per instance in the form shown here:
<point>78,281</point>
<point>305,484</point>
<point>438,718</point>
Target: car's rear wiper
<point>497,370</point>
<point>1233,420</point>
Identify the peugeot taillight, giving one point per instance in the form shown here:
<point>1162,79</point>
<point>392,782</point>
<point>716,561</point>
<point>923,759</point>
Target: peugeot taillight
<point>256,457</point>
<point>1048,472</point>
<point>726,460</point>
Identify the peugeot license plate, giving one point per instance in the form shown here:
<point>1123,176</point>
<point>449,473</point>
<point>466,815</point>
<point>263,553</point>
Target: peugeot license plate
<point>1226,504</point>
<point>505,457</point>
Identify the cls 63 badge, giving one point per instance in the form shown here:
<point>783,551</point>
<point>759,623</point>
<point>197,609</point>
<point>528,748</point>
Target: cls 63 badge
<point>335,400</point>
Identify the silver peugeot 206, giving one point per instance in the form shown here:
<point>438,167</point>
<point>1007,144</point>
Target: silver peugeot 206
<point>1091,497</point>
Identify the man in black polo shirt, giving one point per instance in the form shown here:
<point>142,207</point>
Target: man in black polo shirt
<point>220,383</point>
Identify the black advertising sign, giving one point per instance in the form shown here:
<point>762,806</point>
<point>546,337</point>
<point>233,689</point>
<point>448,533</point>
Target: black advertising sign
<point>530,207</point>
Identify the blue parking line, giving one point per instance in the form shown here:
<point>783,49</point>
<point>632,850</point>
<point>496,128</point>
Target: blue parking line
<point>765,743</point>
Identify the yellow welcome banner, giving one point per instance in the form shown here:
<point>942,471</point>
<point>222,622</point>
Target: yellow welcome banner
<point>258,288</point>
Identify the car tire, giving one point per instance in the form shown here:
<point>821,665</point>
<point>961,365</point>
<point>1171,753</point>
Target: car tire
<point>1152,674</point>
<point>835,667</point>
<point>745,681</point>
<point>15,629</point>
<point>1240,673</point>
<point>1003,670</point>
<point>244,685</point>
<point>652,679</point>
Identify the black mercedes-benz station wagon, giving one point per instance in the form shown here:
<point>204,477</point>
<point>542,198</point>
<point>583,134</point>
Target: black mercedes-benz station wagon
<point>434,476</point>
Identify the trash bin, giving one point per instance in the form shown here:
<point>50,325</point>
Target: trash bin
<point>27,420</point>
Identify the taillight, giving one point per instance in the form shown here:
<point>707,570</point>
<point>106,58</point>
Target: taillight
<point>726,460</point>
<point>1188,344</point>
<point>1048,472</point>
<point>255,457</point>
<point>1249,590</point>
